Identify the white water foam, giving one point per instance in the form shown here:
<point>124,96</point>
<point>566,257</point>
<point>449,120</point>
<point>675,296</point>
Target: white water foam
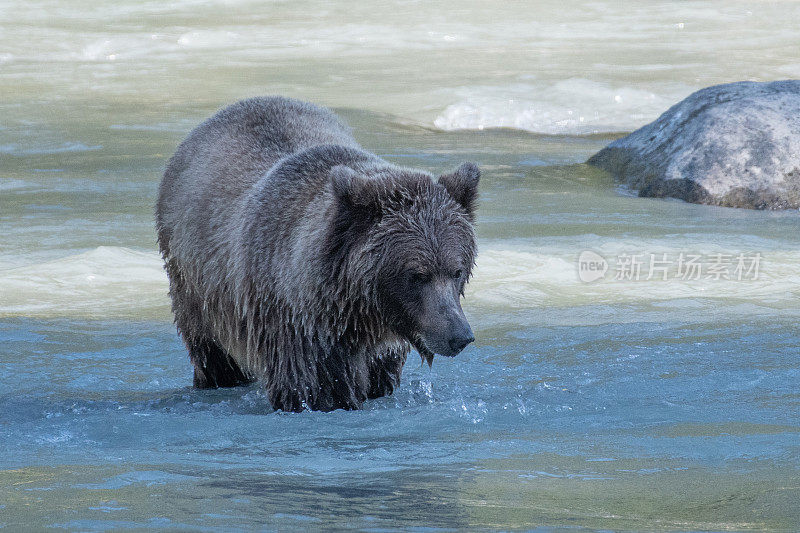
<point>105,282</point>
<point>559,67</point>
<point>114,282</point>
<point>573,106</point>
<point>511,278</point>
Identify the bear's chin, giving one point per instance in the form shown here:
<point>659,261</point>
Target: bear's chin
<point>422,348</point>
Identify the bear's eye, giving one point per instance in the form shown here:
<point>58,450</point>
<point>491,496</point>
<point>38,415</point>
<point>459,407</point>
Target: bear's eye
<point>457,274</point>
<point>420,278</point>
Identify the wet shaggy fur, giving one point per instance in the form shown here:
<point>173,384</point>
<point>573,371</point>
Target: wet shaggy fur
<point>283,241</point>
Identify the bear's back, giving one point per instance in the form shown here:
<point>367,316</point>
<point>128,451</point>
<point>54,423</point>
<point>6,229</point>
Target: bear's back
<point>212,171</point>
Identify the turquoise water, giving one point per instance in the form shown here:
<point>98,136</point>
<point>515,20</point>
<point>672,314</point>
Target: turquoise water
<point>610,426</point>
<point>620,404</point>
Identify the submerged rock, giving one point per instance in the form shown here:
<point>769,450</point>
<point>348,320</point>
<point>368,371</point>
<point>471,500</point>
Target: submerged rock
<point>734,145</point>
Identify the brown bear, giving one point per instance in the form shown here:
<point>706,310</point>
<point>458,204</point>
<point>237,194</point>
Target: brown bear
<point>300,260</point>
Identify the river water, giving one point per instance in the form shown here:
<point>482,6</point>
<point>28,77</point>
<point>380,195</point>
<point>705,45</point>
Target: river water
<point>630,402</point>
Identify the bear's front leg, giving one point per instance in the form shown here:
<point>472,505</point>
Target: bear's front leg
<point>213,368</point>
<point>385,373</point>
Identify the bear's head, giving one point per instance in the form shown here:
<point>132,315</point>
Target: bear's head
<point>406,242</point>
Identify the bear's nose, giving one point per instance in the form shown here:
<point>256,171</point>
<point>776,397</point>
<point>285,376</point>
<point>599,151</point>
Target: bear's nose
<point>459,342</point>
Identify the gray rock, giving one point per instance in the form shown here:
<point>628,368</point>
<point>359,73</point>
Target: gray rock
<point>734,145</point>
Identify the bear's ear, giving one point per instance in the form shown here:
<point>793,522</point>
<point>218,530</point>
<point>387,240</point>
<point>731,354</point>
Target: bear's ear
<point>354,190</point>
<point>463,186</point>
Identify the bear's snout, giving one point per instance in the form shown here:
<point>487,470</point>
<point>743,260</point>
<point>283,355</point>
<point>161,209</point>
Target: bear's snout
<point>445,329</point>
<point>460,340</point>
<point>460,334</point>
<point>452,335</point>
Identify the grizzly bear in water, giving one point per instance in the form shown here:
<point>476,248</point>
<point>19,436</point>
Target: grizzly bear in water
<point>298,259</point>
